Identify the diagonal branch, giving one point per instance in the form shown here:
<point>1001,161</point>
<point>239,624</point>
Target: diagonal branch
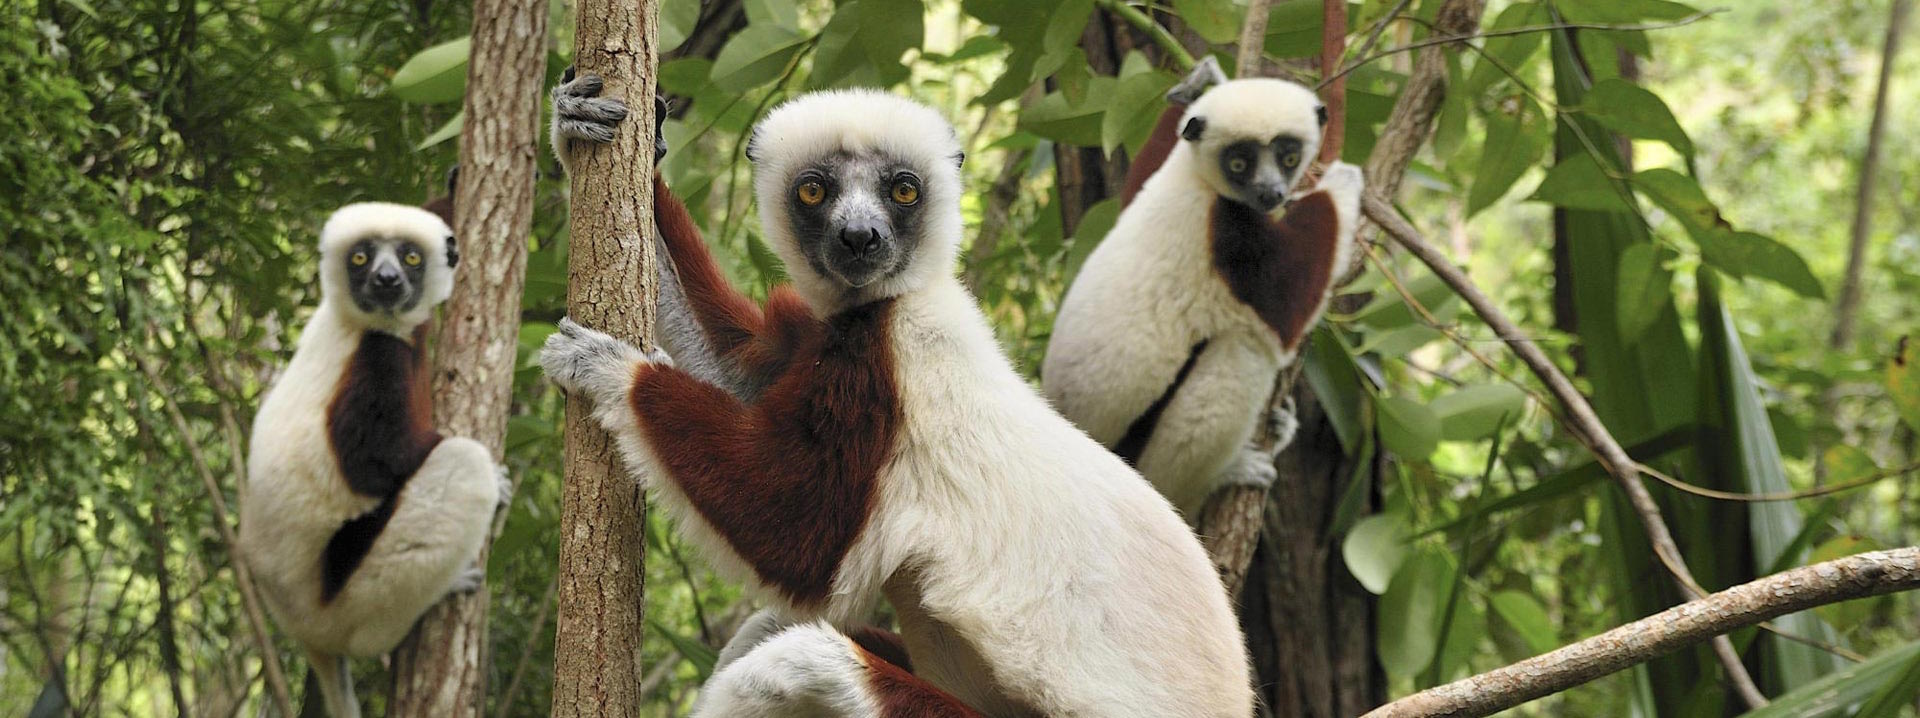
<point>1858,576</point>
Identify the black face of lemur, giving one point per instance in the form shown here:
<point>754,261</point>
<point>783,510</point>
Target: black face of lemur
<point>857,218</point>
<point>386,275</point>
<point>1260,173</point>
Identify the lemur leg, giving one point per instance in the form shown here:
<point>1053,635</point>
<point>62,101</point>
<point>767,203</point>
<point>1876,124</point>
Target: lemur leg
<point>428,547</point>
<point>1204,437</point>
<point>812,670</point>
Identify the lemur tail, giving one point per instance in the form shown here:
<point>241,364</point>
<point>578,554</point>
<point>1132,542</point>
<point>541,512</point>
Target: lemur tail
<point>336,684</point>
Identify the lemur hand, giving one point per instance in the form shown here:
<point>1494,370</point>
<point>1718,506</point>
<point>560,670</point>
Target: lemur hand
<point>580,113</point>
<point>580,359</point>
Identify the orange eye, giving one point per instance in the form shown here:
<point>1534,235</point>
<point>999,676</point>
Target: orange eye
<point>412,259</point>
<point>905,193</point>
<point>811,193</point>
<point>359,259</point>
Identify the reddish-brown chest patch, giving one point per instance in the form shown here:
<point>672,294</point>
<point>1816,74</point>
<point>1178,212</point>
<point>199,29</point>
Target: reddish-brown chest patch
<point>1281,269</point>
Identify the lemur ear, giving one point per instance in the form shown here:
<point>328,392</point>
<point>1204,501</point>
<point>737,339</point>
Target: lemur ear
<point>1321,112</point>
<point>753,146</point>
<point>1194,128</point>
<point>453,178</point>
<point>959,158</point>
<point>453,252</point>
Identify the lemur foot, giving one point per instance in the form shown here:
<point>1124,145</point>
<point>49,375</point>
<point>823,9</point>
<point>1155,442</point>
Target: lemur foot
<point>1282,424</point>
<point>1206,73</point>
<point>1344,181</point>
<point>504,482</point>
<point>580,113</point>
<point>580,359</point>
<point>470,579</point>
<point>1253,468</point>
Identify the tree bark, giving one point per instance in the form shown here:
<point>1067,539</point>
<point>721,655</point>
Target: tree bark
<point>610,288</point>
<point>440,670</point>
<point>1848,304</point>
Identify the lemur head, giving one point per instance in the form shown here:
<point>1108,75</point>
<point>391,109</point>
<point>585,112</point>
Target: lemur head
<point>859,194</point>
<point>1252,139</point>
<point>385,266</point>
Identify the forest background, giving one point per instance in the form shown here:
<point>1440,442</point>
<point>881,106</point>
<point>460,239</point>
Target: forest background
<point>1663,196</point>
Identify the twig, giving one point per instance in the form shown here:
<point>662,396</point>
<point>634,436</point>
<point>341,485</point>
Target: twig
<point>1816,491</point>
<point>1431,41</point>
<point>1253,39</point>
<point>1857,576</point>
<point>1160,36</point>
<point>1587,426</point>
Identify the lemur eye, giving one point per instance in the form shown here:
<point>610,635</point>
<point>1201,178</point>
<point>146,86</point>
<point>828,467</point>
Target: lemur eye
<point>359,259</point>
<point>811,193</point>
<point>1236,165</point>
<point>1290,160</point>
<point>905,193</point>
<point>412,259</point>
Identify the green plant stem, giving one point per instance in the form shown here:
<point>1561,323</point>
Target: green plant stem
<point>1161,37</point>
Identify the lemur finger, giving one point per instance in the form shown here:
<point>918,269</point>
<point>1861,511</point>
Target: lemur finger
<point>591,132</point>
<point>581,86</point>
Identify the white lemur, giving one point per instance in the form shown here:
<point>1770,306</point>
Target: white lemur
<point>358,516</point>
<point>1167,344</point>
<point>891,449</point>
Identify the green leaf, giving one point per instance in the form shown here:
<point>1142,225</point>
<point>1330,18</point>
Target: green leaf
<point>1293,29</point>
<point>1646,289</point>
<point>1409,632</point>
<point>1218,21</point>
<point>1746,254</point>
<point>1137,101</point>
<point>1849,686</point>
<point>756,56</point>
<point>1475,412</point>
<point>1633,111</point>
<point>1621,11</point>
<point>1847,463</point>
<point>1399,341</point>
<point>1895,695</point>
<point>1094,225</point>
<point>1389,310</point>
<point>697,653</point>
<point>1461,636</point>
<point>446,132</point>
<point>1577,182</point>
<point>867,36</point>
<point>685,76</point>
<point>1336,381</point>
<point>1683,198</point>
<point>1057,119</point>
<point>781,13</point>
<point>438,74</point>
<point>1517,135</point>
<point>677,20</point>
<point>1374,550</point>
<point>1409,429</point>
<point>1903,382</point>
<point>1507,53</point>
<point>1527,618</point>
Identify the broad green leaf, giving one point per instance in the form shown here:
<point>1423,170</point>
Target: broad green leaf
<point>1903,382</point>
<point>1336,381</point>
<point>1848,463</point>
<point>446,132</point>
<point>1507,53</point>
<point>1757,256</point>
<point>1399,341</point>
<point>1893,698</point>
<point>696,652</point>
<point>1571,480</point>
<point>1461,636</point>
<point>867,36</point>
<point>1633,111</point>
<point>685,76</point>
<point>1137,102</point>
<point>1475,412</point>
<point>1621,11</point>
<point>756,56</point>
<point>1056,118</point>
<point>1409,632</point>
<point>1577,182</point>
<point>1683,198</point>
<point>1646,289</point>
<point>1218,21</point>
<point>1527,618</point>
<point>1849,686</point>
<point>1375,548</point>
<point>1293,29</point>
<point>1407,428</point>
<point>1389,309</point>
<point>782,13</point>
<point>1517,135</point>
<point>677,20</point>
<point>438,74</point>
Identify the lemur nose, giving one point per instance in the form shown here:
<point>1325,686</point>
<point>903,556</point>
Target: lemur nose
<point>861,239</point>
<point>386,277</point>
<point>1269,198</point>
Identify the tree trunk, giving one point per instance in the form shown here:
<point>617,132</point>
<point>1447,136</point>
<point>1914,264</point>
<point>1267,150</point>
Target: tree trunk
<point>441,669</point>
<point>1848,304</point>
<point>610,288</point>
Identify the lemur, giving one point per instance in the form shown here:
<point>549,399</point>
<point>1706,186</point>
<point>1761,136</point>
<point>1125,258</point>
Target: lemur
<point>893,450</point>
<point>1167,343</point>
<point>358,516</point>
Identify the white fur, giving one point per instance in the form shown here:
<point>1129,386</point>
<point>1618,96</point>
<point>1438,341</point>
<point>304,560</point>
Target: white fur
<point>1035,573</point>
<point>803,671</point>
<point>296,498</point>
<point>1149,293</point>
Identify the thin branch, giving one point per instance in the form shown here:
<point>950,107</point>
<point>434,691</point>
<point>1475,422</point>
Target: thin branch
<point>1857,576</point>
<point>1145,24</point>
<point>1431,41</point>
<point>1253,39</point>
<point>1814,492</point>
<point>1849,300</point>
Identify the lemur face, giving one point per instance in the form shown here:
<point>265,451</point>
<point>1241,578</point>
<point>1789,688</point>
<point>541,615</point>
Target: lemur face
<point>386,265</point>
<point>386,275</point>
<point>1252,139</point>
<point>1257,174</point>
<point>856,218</point>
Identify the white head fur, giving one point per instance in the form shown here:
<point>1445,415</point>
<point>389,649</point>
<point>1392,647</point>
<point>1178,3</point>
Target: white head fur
<point>390,227</point>
<point>1258,110</point>
<point>861,124</point>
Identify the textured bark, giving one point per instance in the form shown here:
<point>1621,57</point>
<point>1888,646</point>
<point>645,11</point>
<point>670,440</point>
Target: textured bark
<point>610,288</point>
<point>1849,302</point>
<point>1857,576</point>
<point>441,669</point>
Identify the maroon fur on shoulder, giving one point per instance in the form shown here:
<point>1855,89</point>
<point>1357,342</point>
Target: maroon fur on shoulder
<point>1166,135</point>
<point>788,481</point>
<point>759,341</point>
<point>904,695</point>
<point>1282,269</point>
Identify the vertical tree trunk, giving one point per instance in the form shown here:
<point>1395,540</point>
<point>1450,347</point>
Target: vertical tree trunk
<point>1849,302</point>
<point>441,669</point>
<point>609,288</point>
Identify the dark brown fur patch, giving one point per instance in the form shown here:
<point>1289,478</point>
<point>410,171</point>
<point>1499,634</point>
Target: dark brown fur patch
<point>904,695</point>
<point>380,425</point>
<point>737,329</point>
<point>1166,135</point>
<point>790,480</point>
<point>1282,269</point>
<point>1134,443</point>
<point>883,643</point>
